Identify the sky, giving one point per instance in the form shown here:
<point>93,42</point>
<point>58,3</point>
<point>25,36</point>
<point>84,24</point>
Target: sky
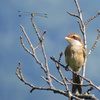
<point>58,25</point>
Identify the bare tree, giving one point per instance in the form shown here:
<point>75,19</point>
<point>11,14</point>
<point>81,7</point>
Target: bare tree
<point>65,82</point>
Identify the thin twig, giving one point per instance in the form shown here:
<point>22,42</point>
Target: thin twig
<point>45,79</point>
<point>43,34</point>
<point>40,41</point>
<point>20,75</point>
<point>95,43</point>
<point>73,14</point>
<point>35,28</point>
<point>71,82</point>
<point>92,18</point>
<point>87,97</point>
<point>37,46</point>
<point>80,27</point>
<point>81,23</point>
<point>24,46</point>
<point>47,68</point>
<point>56,80</point>
<point>27,37</point>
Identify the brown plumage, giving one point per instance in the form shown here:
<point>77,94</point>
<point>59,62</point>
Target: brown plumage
<point>74,57</point>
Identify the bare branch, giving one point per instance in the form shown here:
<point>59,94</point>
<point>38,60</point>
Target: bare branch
<point>73,14</point>
<point>78,7</point>
<point>45,79</point>
<point>63,79</point>
<point>20,76</point>
<point>43,51</point>
<point>27,37</point>
<point>83,69</point>
<point>47,68</point>
<point>80,27</point>
<point>33,49</point>
<point>71,82</point>
<point>43,35</point>
<point>90,82</point>
<point>40,41</point>
<point>81,23</point>
<point>56,80</point>
<point>35,28</point>
<point>60,57</point>
<point>94,45</point>
<point>37,46</point>
<point>24,46</point>
<point>92,18</point>
<point>86,96</point>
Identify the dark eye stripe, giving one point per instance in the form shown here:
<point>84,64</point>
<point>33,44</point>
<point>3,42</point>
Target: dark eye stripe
<point>76,38</point>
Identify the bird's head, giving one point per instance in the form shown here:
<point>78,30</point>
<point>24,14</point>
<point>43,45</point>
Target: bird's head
<point>74,39</point>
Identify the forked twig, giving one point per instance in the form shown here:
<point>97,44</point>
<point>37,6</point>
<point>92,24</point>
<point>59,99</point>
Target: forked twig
<point>26,37</point>
<point>25,47</point>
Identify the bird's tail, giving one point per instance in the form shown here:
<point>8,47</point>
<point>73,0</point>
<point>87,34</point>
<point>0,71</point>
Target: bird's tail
<point>76,79</point>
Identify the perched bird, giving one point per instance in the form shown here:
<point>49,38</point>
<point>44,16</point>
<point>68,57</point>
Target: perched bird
<point>74,57</point>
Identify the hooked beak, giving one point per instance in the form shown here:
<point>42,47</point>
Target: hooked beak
<point>67,38</point>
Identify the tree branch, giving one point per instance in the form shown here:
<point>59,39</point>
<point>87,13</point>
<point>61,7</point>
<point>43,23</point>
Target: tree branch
<point>94,45</point>
<point>90,82</point>
<point>73,14</point>
<point>56,79</point>
<point>27,37</point>
<point>24,46</point>
<point>92,18</point>
<point>20,76</point>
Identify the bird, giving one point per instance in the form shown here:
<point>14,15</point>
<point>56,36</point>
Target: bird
<point>74,58</point>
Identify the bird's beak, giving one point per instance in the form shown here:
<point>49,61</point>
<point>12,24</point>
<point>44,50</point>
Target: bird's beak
<point>67,38</point>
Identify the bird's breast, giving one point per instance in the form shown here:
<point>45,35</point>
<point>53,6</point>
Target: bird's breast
<point>74,57</point>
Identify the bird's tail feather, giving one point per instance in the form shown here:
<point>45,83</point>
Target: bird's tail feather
<point>76,79</point>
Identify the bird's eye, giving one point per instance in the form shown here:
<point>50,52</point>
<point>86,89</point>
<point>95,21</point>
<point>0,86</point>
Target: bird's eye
<point>74,37</point>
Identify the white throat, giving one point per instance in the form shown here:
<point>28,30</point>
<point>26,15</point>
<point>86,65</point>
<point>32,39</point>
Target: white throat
<point>75,43</point>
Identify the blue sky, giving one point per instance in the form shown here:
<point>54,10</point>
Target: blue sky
<point>58,25</point>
